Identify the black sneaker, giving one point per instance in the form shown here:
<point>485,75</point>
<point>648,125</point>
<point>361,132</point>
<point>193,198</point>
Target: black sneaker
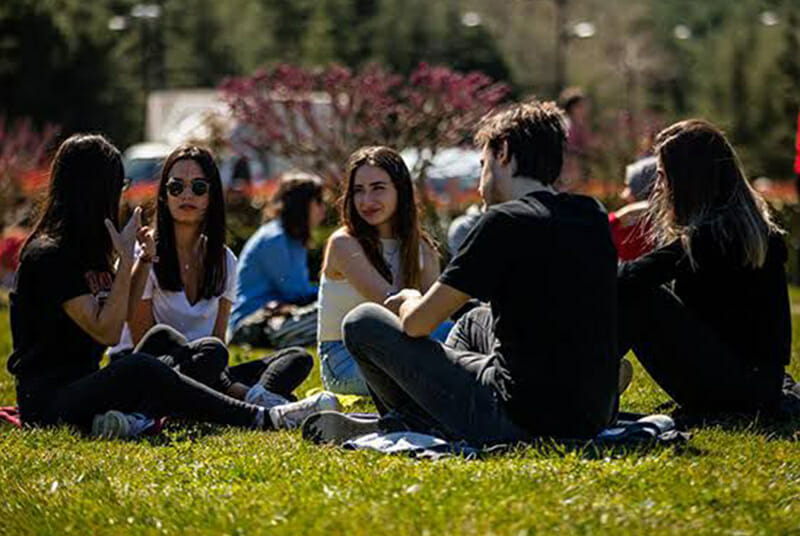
<point>337,428</point>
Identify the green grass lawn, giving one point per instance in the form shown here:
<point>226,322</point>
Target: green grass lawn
<point>741,479</point>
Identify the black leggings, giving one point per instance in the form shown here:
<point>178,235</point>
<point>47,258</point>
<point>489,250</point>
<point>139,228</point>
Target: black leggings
<point>280,372</point>
<point>206,360</point>
<point>136,383</point>
<point>203,359</point>
<point>688,359</point>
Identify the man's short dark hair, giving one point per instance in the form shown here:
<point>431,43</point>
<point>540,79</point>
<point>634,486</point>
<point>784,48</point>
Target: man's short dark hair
<point>536,134</point>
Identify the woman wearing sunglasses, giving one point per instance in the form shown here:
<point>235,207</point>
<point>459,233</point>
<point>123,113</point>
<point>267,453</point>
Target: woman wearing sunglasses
<point>189,291</point>
<point>76,279</point>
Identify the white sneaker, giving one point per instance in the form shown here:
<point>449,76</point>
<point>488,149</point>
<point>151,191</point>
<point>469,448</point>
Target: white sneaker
<point>259,396</point>
<point>117,425</point>
<point>292,415</point>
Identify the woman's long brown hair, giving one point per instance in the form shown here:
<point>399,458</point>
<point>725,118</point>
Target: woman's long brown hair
<point>701,182</point>
<point>86,179</point>
<point>405,223</point>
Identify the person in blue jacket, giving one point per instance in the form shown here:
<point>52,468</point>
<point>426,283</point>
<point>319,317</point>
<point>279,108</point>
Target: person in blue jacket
<point>273,265</point>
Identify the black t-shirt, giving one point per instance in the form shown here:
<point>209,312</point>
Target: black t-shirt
<point>49,347</point>
<point>747,307</point>
<point>547,266</point>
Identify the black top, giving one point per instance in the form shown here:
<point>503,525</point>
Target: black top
<point>547,266</point>
<point>49,347</point>
<point>748,308</point>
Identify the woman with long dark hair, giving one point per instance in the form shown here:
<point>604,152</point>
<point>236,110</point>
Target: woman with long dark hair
<point>707,312</point>
<point>71,301</point>
<point>274,265</point>
<point>379,250</point>
<point>190,289</point>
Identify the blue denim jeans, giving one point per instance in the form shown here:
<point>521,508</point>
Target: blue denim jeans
<point>339,371</point>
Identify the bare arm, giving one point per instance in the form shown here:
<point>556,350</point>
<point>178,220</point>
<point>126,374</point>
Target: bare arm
<point>141,271</point>
<point>223,315</point>
<point>141,320</point>
<point>104,321</point>
<point>346,258</point>
<point>430,267</point>
<point>141,268</point>
<point>420,315</point>
<point>631,213</point>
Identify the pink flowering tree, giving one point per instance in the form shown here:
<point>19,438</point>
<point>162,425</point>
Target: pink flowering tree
<point>317,118</point>
<point>23,150</point>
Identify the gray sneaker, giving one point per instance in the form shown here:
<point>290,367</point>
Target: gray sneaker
<point>337,428</point>
<point>114,424</point>
<point>292,415</point>
<point>259,396</point>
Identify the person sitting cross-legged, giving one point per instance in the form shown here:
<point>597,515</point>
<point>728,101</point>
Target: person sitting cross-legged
<point>76,279</point>
<point>707,313</point>
<point>542,361</point>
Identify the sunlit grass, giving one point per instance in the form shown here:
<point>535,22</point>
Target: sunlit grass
<point>743,479</point>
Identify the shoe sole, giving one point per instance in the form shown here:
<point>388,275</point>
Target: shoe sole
<point>110,425</point>
<point>625,375</point>
<point>337,428</point>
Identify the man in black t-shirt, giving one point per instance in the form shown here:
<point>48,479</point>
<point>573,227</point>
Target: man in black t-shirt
<point>542,361</point>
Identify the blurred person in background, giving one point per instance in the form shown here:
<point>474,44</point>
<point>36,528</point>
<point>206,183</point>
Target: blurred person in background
<point>461,226</point>
<point>273,269</point>
<point>576,152</point>
<point>628,224</point>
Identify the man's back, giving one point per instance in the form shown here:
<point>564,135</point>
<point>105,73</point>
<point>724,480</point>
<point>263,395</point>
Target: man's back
<point>547,265</point>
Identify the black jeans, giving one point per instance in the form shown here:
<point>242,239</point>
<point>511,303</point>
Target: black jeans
<point>432,388</point>
<point>136,383</point>
<point>280,372</point>
<point>688,359</point>
<point>203,360</point>
<point>206,360</point>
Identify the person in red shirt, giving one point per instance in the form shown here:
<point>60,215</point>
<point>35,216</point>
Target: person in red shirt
<point>797,155</point>
<point>628,228</point>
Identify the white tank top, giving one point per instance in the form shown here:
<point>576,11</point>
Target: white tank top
<point>337,297</point>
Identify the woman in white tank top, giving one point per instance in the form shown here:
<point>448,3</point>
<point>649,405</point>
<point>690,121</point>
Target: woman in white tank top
<point>379,250</point>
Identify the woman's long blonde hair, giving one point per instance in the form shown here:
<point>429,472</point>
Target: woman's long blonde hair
<point>701,182</point>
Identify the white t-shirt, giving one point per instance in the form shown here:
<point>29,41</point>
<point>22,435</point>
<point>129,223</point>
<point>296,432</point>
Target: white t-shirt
<point>173,308</point>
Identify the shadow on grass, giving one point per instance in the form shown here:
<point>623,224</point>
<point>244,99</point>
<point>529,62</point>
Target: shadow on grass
<point>176,431</point>
<point>592,450</point>
<point>770,426</point>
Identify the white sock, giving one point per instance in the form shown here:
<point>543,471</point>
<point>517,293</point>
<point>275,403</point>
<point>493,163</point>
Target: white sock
<point>258,420</point>
<point>273,417</point>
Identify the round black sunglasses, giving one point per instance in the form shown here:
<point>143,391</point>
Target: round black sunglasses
<point>199,187</point>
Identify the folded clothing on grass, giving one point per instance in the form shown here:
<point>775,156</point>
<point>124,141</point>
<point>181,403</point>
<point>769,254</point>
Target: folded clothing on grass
<point>630,430</point>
